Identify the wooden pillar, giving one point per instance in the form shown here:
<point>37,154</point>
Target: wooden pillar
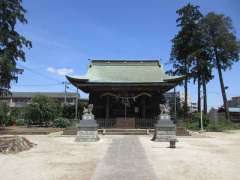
<point>90,99</point>
<point>143,104</point>
<point>107,107</point>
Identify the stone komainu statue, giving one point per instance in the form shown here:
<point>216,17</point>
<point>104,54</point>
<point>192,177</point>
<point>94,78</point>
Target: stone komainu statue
<point>164,108</point>
<point>88,110</point>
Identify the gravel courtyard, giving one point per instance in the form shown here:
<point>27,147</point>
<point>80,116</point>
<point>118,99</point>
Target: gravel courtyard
<point>201,157</point>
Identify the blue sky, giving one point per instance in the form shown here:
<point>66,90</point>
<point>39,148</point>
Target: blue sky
<point>66,33</point>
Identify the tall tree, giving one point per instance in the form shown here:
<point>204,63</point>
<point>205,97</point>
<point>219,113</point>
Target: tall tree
<point>183,44</point>
<point>224,45</point>
<point>204,75</point>
<point>202,65</point>
<point>12,44</point>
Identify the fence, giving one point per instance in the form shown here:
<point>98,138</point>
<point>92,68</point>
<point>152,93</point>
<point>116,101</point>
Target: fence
<point>139,123</point>
<point>106,123</point>
<point>145,122</point>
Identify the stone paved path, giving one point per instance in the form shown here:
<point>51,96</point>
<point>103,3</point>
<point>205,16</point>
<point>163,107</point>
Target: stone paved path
<point>124,160</point>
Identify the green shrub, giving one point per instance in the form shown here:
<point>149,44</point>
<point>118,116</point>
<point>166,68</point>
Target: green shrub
<point>17,113</point>
<point>61,122</point>
<point>4,114</point>
<point>42,110</point>
<point>222,125</point>
<point>68,111</point>
<point>193,125</point>
<point>8,121</point>
<point>194,122</point>
<point>20,122</point>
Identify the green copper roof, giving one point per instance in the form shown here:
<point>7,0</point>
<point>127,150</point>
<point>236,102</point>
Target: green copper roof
<point>147,71</point>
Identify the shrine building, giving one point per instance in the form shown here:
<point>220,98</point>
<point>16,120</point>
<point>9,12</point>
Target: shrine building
<point>124,93</point>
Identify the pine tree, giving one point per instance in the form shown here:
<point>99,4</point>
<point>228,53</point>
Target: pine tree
<point>224,46</point>
<point>183,45</point>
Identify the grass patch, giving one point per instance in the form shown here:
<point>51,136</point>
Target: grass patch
<point>193,123</point>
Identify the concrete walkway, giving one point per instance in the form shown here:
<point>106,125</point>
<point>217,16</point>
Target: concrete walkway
<point>124,160</point>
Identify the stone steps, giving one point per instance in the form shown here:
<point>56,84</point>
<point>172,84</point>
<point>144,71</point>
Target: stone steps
<point>180,131</point>
<point>124,131</point>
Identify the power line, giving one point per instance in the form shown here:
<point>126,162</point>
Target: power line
<point>65,83</point>
<point>57,84</point>
<point>38,73</point>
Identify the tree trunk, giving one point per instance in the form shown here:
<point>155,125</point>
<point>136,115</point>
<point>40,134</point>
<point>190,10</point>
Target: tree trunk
<point>224,96</point>
<point>204,95</point>
<point>199,94</point>
<point>185,106</point>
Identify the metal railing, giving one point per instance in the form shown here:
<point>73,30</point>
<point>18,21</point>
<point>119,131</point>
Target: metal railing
<point>145,122</point>
<point>139,123</point>
<point>106,123</point>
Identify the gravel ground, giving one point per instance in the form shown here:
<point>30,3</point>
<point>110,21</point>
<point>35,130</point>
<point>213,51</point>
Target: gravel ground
<point>208,156</point>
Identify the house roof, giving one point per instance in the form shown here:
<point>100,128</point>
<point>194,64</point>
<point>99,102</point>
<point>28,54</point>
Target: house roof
<point>49,94</point>
<point>234,109</point>
<point>125,71</point>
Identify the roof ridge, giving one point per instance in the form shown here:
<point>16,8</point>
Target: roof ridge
<point>126,62</point>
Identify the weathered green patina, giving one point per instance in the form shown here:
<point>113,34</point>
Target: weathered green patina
<point>124,73</point>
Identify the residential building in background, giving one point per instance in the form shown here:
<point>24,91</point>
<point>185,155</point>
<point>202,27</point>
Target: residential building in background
<point>234,102</point>
<point>21,99</point>
<point>192,106</point>
<point>234,108</point>
<point>170,97</point>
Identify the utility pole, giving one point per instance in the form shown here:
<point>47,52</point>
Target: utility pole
<point>76,105</point>
<point>175,105</point>
<point>65,91</point>
<point>201,114</point>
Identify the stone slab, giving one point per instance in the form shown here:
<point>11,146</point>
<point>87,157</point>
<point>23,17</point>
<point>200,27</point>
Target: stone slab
<point>124,160</point>
<point>87,136</point>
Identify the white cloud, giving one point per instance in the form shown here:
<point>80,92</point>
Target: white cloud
<point>50,69</point>
<point>64,71</point>
<point>60,71</point>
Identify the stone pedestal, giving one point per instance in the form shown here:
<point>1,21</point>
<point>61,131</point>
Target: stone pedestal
<point>87,129</point>
<point>164,129</point>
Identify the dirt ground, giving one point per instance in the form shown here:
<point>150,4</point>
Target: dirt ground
<point>23,130</point>
<point>208,156</point>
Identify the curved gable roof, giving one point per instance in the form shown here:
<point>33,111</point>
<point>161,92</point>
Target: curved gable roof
<point>120,71</point>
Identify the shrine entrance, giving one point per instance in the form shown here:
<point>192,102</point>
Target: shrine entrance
<point>125,110</point>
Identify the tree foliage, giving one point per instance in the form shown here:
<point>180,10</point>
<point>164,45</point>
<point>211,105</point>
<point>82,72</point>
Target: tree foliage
<point>185,43</point>
<point>203,43</point>
<point>42,111</point>
<point>4,113</point>
<point>224,46</point>
<point>12,44</point>
<point>68,111</point>
<point>61,122</point>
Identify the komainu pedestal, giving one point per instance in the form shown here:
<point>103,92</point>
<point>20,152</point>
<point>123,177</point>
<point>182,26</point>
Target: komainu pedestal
<point>87,128</point>
<point>164,129</point>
